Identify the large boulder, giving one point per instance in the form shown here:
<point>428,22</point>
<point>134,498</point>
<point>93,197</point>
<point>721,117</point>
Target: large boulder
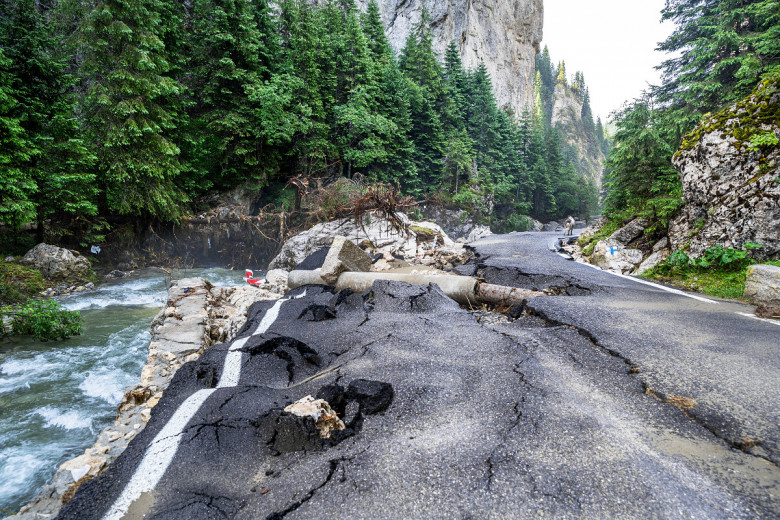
<point>534,225</point>
<point>730,186</point>
<point>594,227</point>
<point>629,232</point>
<point>455,222</point>
<point>56,263</point>
<point>342,256</point>
<point>762,287</point>
<point>375,233</point>
<point>651,261</point>
<point>478,232</point>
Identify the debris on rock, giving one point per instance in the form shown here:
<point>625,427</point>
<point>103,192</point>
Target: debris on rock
<point>344,256</point>
<point>325,419</point>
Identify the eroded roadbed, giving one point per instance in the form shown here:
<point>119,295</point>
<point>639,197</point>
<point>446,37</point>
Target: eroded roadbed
<point>509,420</point>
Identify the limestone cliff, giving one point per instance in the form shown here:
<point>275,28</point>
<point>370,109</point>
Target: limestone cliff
<point>567,117</point>
<point>505,34</point>
<point>729,171</point>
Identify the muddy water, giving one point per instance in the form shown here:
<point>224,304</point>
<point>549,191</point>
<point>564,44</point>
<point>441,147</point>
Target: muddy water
<point>55,397</point>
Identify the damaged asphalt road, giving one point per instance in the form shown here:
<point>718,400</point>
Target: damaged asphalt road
<point>545,416</point>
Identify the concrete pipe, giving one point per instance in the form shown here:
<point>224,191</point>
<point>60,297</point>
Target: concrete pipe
<point>462,289</point>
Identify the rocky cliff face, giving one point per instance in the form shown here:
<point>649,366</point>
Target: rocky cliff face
<point>505,34</point>
<point>732,188</point>
<point>567,117</point>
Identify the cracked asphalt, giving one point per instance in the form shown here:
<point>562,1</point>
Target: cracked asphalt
<point>612,399</point>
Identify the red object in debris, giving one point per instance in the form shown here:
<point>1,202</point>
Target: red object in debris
<point>253,281</point>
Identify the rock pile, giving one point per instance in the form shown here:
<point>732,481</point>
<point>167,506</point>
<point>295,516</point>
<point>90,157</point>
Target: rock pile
<point>376,236</point>
<point>63,289</point>
<point>620,252</point>
<point>762,287</point>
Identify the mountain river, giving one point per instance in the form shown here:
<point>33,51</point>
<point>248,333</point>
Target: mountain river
<point>55,397</point>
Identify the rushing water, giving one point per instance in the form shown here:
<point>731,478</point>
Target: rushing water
<point>55,397</point>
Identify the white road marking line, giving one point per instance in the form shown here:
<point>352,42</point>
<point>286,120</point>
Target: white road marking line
<point>231,371</point>
<point>748,315</point>
<point>160,453</point>
<point>657,286</point>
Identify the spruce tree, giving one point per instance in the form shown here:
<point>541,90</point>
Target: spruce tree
<point>721,50</point>
<point>484,121</point>
<point>392,102</point>
<point>59,164</point>
<point>419,63</point>
<point>226,62</point>
<point>362,132</point>
<point>17,186</point>
<point>640,166</point>
<point>561,77</point>
<point>131,106</point>
<point>374,29</point>
<point>304,55</point>
<point>587,113</point>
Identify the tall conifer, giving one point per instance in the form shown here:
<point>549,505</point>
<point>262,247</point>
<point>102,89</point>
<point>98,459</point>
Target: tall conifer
<point>131,108</point>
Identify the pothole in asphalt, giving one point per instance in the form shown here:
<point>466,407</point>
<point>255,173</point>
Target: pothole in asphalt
<point>307,424</point>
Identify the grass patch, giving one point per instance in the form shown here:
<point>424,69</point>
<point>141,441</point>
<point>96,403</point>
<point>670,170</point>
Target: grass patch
<point>19,283</point>
<point>722,281</point>
<point>718,282</point>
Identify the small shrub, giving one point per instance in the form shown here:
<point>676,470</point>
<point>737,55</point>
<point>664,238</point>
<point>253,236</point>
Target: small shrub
<point>43,319</point>
<point>18,283</point>
<point>515,222</point>
<point>759,141</point>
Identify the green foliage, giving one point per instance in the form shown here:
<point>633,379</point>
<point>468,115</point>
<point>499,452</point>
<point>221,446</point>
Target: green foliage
<point>640,164</point>
<point>43,319</point>
<point>515,222</point>
<point>758,141</point>
<point>17,185</point>
<point>720,271</point>
<point>114,111</point>
<point>613,223</point>
<point>18,283</point>
<point>58,163</point>
<point>722,48</point>
<point>131,106</point>
<point>744,120</point>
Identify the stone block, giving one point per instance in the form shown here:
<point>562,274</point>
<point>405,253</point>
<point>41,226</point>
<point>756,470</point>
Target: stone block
<point>762,285</point>
<point>629,232</point>
<point>344,256</point>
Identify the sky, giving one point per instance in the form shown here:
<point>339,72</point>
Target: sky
<point>611,41</point>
